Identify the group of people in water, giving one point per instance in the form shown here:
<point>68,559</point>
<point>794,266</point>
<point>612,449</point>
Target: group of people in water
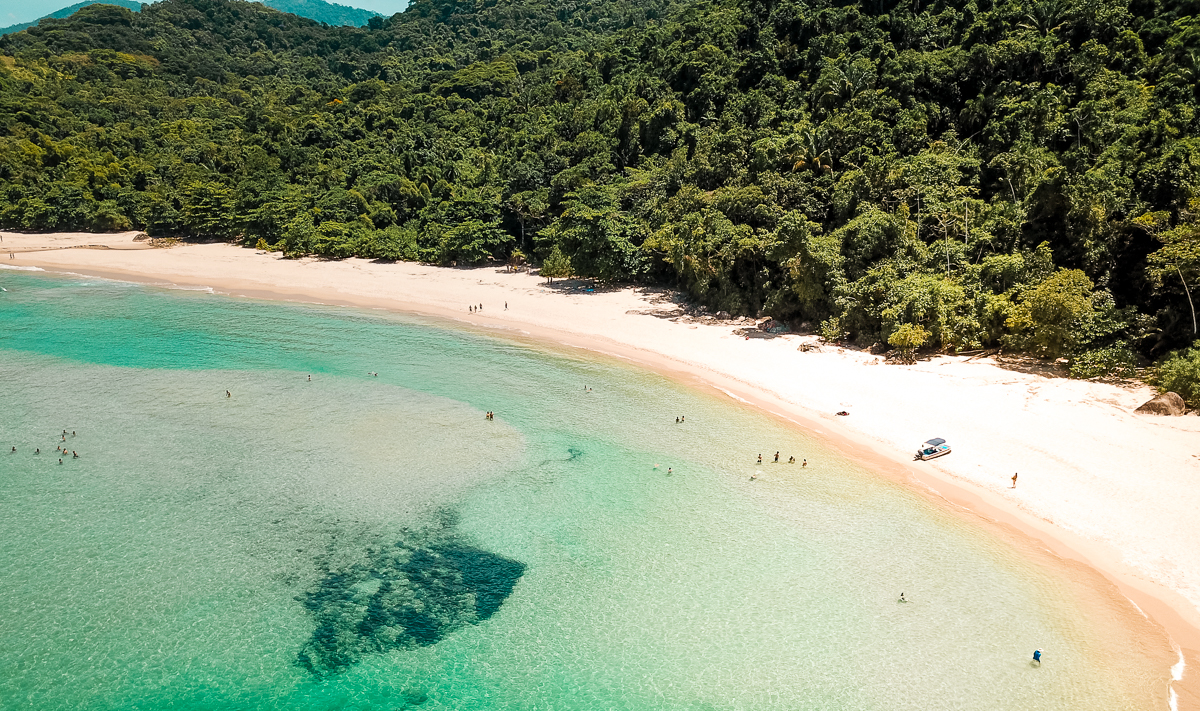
<point>791,460</point>
<point>58,448</point>
<point>490,415</point>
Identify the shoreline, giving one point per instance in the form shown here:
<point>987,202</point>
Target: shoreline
<point>708,357</point>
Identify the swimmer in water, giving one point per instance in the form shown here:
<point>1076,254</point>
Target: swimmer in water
<point>227,394</point>
<point>669,471</point>
<point>60,461</point>
<point>37,451</point>
<point>74,454</point>
<point>14,449</point>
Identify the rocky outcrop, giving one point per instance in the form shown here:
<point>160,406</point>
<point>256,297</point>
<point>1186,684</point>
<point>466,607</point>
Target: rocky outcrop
<point>1165,404</point>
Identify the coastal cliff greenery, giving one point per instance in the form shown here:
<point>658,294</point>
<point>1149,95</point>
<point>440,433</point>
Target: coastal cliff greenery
<point>931,175</point>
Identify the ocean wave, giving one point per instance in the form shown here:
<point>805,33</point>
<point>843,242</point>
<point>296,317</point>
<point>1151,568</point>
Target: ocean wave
<point>21,269</point>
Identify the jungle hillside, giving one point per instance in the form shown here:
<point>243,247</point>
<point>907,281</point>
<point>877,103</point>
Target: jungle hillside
<point>920,175</point>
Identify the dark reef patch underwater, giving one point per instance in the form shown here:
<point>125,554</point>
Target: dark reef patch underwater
<point>402,596</point>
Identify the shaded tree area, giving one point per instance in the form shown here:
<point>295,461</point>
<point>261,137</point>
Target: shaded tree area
<point>954,175</point>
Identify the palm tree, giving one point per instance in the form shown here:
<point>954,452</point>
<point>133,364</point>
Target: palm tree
<point>811,153</point>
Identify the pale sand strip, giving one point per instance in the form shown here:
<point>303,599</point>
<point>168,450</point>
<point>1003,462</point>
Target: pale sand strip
<point>1098,485</point>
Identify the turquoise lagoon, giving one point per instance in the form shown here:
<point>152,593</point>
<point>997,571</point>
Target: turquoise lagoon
<point>373,542</point>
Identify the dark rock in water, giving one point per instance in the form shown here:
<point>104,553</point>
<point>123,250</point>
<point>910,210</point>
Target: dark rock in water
<point>1165,404</point>
<point>402,597</point>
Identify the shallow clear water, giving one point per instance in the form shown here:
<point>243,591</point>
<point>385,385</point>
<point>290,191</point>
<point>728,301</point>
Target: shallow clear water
<point>370,542</point>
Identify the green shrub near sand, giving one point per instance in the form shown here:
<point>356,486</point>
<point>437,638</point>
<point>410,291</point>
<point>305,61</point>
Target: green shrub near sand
<point>1180,373</point>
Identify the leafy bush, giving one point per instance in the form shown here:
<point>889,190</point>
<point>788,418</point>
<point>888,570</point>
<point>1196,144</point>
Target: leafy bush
<point>1180,373</point>
<point>831,329</point>
<point>1115,362</point>
<point>907,339</point>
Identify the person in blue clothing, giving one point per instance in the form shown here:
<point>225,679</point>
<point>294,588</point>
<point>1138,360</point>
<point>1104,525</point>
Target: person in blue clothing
<point>1037,656</point>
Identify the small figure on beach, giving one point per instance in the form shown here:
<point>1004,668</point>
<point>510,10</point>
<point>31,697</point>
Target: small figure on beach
<point>310,378</point>
<point>490,415</point>
<point>676,420</point>
<point>1014,480</point>
<point>226,395</point>
<point>480,307</point>
<point>902,598</point>
<point>760,459</point>
<point>506,306</point>
<point>804,463</point>
<point>683,418</point>
<point>1037,656</point>
<point>843,413</point>
<point>791,460</point>
<point>777,457</point>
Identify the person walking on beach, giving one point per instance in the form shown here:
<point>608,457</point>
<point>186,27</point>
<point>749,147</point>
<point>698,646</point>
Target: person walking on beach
<point>804,463</point>
<point>1014,480</point>
<point>777,457</point>
<point>760,459</point>
<point>902,598</point>
<point>1037,656</point>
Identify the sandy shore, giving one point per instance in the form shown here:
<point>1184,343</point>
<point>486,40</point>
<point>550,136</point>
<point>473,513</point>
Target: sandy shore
<point>1097,485</point>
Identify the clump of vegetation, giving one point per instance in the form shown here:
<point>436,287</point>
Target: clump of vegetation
<point>907,339</point>
<point>1180,373</point>
<point>1114,362</point>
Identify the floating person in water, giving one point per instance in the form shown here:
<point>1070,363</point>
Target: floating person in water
<point>38,450</point>
<point>1037,656</point>
<point>902,598</point>
<point>74,454</point>
<point>670,471</point>
<point>14,449</point>
<point>60,461</point>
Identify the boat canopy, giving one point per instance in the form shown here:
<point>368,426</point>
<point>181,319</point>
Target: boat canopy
<point>935,441</point>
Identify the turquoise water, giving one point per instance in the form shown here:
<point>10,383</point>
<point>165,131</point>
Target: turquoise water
<point>373,542</point>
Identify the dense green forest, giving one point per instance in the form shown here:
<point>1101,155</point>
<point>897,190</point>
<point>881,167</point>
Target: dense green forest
<point>952,175</point>
<point>319,10</point>
<point>68,11</point>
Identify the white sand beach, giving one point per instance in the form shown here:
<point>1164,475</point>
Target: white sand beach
<point>1098,484</point>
